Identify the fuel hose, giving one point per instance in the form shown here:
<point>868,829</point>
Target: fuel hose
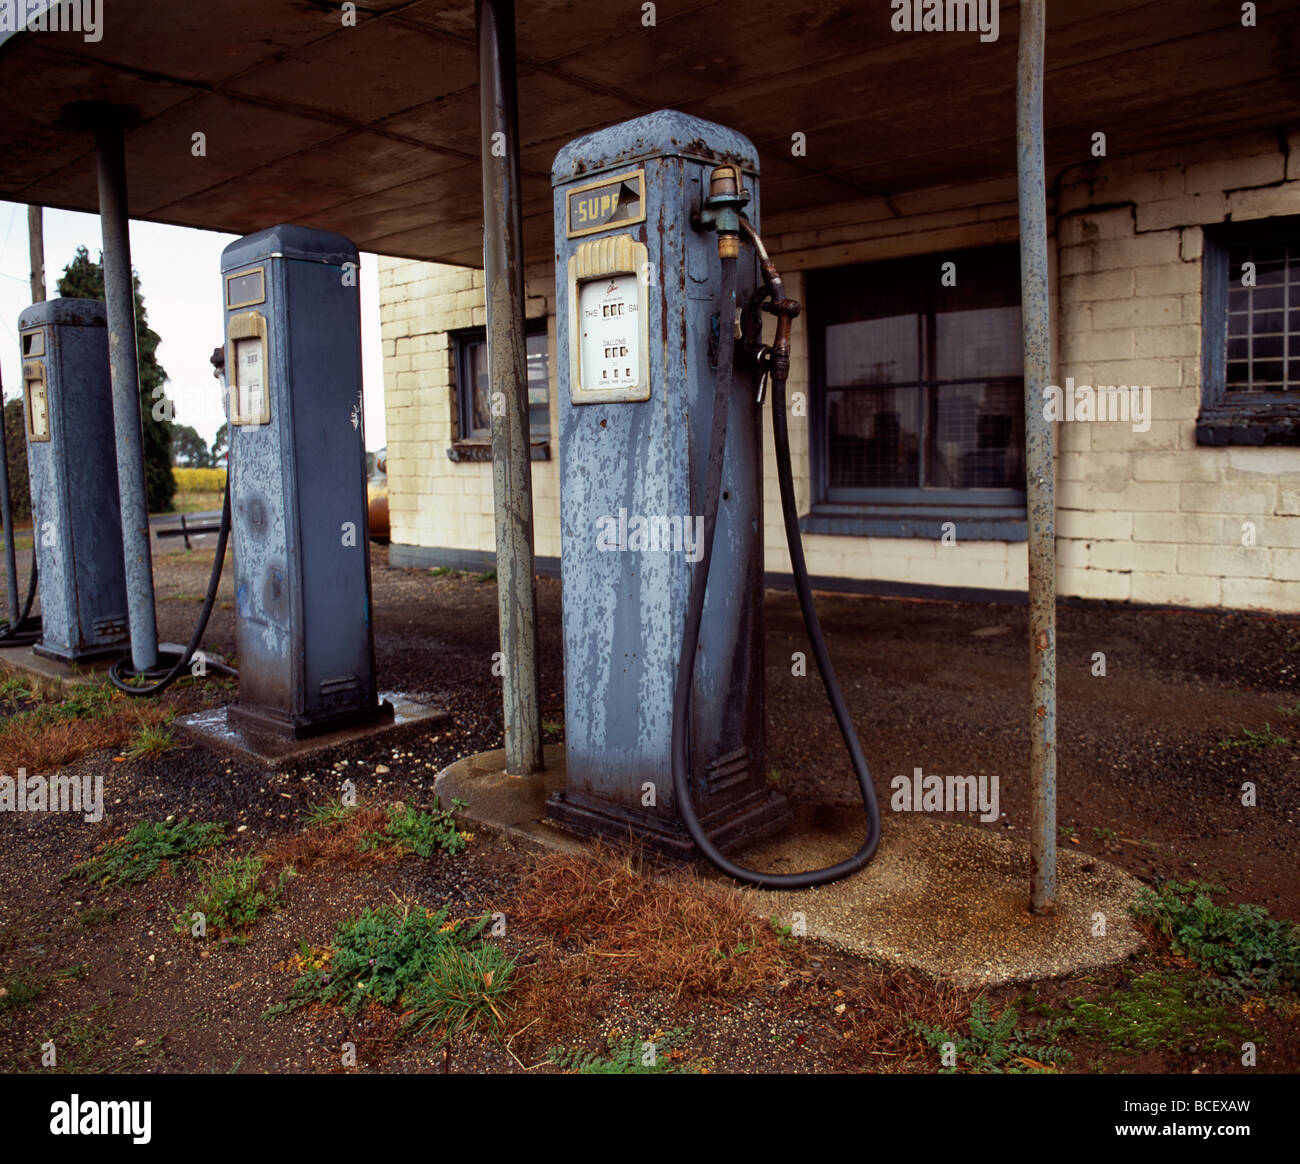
<point>695,613</point>
<point>157,679</point>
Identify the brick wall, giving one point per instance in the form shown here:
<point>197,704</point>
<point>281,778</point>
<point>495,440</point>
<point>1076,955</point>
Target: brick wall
<point>1152,516</point>
<point>1147,516</point>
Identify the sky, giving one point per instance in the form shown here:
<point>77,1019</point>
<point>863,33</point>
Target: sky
<point>180,279</point>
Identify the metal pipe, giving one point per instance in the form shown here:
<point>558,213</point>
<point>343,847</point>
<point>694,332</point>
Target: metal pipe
<point>6,515</point>
<point>507,348</point>
<point>119,298</point>
<point>1039,462</point>
<point>36,248</point>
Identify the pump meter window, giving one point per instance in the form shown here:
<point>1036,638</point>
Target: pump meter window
<point>611,355</point>
<point>250,403</point>
<point>38,402</point>
<point>608,315</point>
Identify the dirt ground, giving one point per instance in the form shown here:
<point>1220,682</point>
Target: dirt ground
<point>1152,759</point>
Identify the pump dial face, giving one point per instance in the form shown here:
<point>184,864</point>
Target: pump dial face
<point>610,332</point>
<point>38,409</point>
<point>250,381</point>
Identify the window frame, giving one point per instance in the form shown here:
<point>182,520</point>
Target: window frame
<point>988,514</point>
<point>1237,418</point>
<point>466,440</point>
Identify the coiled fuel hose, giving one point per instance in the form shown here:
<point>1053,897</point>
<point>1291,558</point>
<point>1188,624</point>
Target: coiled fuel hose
<point>157,679</point>
<point>799,567</point>
<point>22,631</point>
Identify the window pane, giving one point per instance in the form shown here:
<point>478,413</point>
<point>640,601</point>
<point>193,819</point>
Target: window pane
<point>476,363</point>
<point>873,438</point>
<point>1260,312</point>
<point>976,437</point>
<point>984,343</point>
<point>539,385</point>
<point>479,422</point>
<point>873,351</point>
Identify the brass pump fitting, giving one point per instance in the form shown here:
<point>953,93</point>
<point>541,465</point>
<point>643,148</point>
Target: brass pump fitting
<point>727,198</point>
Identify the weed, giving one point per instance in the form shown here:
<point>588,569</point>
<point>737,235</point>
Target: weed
<point>14,688</point>
<point>443,572</point>
<point>18,989</point>
<point>1101,834</point>
<point>997,1047</point>
<point>1249,952</point>
<point>554,727</point>
<point>151,740</point>
<point>632,1055</point>
<point>1155,1013</point>
<point>418,959</point>
<point>328,815</point>
<point>232,894</point>
<point>1255,740</point>
<point>1293,710</point>
<point>486,576</point>
<point>98,915</point>
<point>418,832</point>
<point>138,856</point>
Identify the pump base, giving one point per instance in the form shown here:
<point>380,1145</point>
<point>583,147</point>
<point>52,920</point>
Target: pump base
<point>72,658</point>
<point>753,818</point>
<point>270,722</point>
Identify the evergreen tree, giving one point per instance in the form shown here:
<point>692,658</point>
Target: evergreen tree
<point>20,491</point>
<point>83,279</point>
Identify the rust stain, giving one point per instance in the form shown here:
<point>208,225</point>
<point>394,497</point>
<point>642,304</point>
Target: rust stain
<point>1040,711</point>
<point>1040,641</point>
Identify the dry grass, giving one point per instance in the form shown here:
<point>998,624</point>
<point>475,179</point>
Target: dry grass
<point>29,740</point>
<point>668,931</point>
<point>335,843</point>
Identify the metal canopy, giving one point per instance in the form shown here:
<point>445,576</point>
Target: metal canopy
<point>373,130</point>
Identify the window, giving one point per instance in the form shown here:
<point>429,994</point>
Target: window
<point>473,389</point>
<point>918,401</point>
<point>1250,361</point>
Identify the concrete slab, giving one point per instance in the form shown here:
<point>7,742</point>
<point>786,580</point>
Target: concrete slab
<point>940,897</point>
<point>25,660</point>
<point>211,729</point>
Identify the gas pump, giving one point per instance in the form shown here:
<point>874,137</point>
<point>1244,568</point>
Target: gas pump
<point>661,494</point>
<point>76,523</point>
<point>298,483</point>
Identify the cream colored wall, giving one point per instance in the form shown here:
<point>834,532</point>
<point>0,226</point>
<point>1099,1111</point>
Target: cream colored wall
<point>1152,516</point>
<point>1145,516</point>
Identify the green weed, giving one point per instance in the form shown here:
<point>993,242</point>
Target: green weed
<point>137,856</point>
<point>632,1055</point>
<point>997,1047</point>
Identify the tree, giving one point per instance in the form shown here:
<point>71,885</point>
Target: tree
<point>20,487</point>
<point>189,449</point>
<point>221,446</point>
<point>83,279</point>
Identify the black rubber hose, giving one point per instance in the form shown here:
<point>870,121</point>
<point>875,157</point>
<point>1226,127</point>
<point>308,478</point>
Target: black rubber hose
<point>20,632</point>
<point>695,614</point>
<point>121,673</point>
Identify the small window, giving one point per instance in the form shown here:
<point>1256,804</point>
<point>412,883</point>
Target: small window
<point>1250,364</point>
<point>473,388</point>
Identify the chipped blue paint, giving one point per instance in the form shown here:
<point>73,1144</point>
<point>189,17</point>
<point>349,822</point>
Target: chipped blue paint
<point>623,610</point>
<point>306,651</point>
<point>76,521</point>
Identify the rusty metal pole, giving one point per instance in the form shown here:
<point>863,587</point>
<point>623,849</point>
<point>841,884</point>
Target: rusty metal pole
<point>36,248</point>
<point>1040,468</point>
<point>512,486</point>
<point>119,299</point>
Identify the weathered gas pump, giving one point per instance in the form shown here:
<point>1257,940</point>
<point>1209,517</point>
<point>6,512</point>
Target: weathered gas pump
<point>639,328</point>
<point>298,483</point>
<point>76,522</point>
<point>661,500</point>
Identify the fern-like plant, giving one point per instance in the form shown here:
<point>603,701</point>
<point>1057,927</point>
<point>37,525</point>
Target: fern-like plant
<point>997,1046</point>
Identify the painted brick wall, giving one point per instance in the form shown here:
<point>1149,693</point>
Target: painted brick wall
<point>1147,516</point>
